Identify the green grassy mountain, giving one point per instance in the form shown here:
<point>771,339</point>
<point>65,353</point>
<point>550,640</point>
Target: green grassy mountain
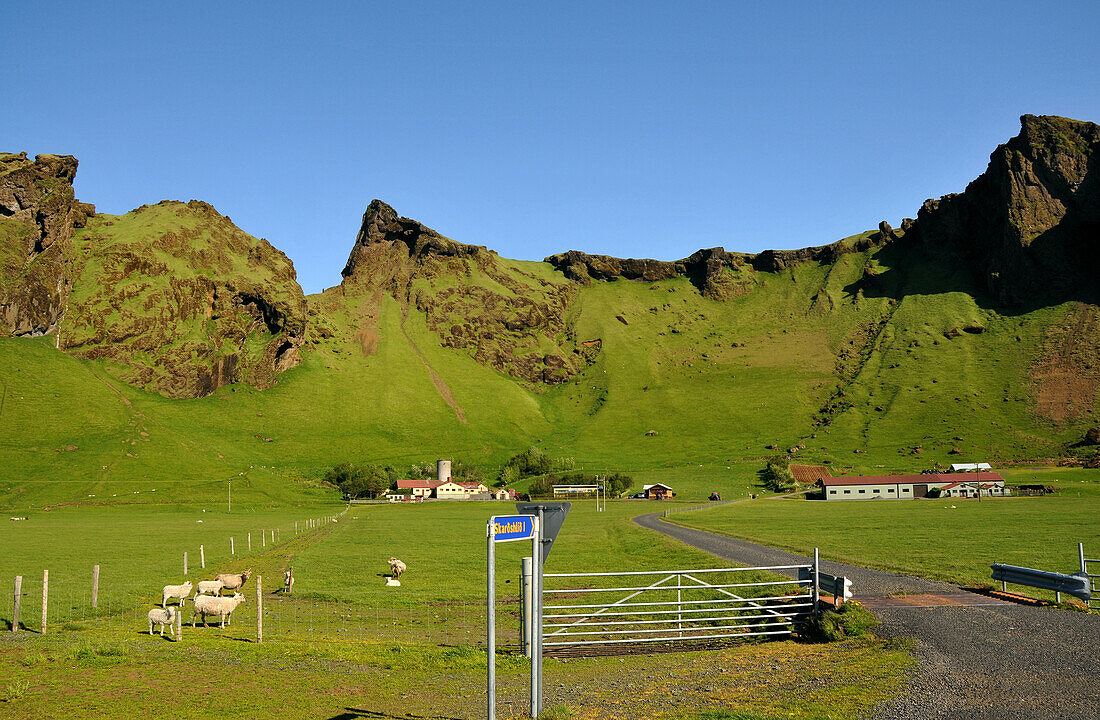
<point>182,351</point>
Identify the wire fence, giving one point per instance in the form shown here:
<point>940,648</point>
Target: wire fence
<point>69,607</point>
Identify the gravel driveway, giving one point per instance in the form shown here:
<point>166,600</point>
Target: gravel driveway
<point>996,661</point>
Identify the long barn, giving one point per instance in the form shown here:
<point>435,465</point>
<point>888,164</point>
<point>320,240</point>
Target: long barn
<point>908,487</point>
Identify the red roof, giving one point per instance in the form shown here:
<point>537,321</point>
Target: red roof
<point>938,479</point>
<point>411,484</point>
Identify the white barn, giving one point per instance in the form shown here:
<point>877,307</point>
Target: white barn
<point>908,487</point>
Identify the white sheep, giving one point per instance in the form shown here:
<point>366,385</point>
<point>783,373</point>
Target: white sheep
<point>233,581</point>
<point>175,591</point>
<point>397,567</point>
<point>288,580</point>
<point>215,606</point>
<point>162,617</point>
<point>208,587</point>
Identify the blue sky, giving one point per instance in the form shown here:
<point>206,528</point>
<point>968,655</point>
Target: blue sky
<point>631,129</point>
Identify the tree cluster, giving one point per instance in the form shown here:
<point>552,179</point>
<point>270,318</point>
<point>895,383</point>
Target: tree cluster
<point>359,481</point>
<point>616,483</point>
<point>777,475</point>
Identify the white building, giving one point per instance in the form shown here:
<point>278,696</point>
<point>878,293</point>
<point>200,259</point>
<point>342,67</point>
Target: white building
<point>908,487</point>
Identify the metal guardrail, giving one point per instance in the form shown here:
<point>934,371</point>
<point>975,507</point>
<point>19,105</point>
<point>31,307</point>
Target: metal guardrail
<point>1077,584</point>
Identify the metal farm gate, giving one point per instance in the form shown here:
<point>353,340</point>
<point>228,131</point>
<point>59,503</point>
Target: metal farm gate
<point>617,612</point>
<point>1091,568</point>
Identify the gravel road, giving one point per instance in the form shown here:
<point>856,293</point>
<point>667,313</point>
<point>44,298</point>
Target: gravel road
<point>995,661</point>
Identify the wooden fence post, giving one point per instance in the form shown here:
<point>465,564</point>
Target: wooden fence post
<point>231,552</point>
<point>18,597</point>
<point>202,556</point>
<point>295,527</point>
<point>259,609</point>
<point>95,586</point>
<point>184,562</point>
<point>179,626</point>
<point>263,538</point>
<point>45,596</point>
<point>249,542</point>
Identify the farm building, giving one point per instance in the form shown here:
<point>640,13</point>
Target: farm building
<point>907,487</point>
<point>971,467</point>
<point>657,491</point>
<point>443,489</point>
<point>418,488</point>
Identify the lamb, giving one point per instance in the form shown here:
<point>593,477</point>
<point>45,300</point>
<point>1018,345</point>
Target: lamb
<point>288,580</point>
<point>215,606</point>
<point>233,581</point>
<point>208,587</point>
<point>175,591</point>
<point>162,617</point>
<point>397,567</point>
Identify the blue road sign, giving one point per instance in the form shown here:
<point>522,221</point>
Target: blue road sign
<point>504,528</point>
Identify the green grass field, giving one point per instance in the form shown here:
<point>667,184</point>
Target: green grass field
<point>342,642</point>
<point>951,539</point>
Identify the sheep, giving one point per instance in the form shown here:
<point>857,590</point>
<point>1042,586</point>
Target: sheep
<point>175,591</point>
<point>222,607</point>
<point>288,580</point>
<point>232,581</point>
<point>208,587</point>
<point>397,567</point>
<point>162,617</point>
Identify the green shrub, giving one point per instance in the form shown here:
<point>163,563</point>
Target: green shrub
<point>777,475</point>
<point>852,620</point>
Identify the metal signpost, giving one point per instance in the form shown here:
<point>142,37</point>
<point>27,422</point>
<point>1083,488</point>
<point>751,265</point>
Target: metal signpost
<point>504,528</point>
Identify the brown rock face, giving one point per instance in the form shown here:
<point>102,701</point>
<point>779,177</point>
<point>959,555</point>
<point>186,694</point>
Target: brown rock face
<point>1029,226</point>
<point>497,312</point>
<point>37,214</point>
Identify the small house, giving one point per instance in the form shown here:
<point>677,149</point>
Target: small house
<point>658,491</point>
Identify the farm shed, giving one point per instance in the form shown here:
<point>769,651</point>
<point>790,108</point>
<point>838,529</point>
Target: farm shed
<point>907,487</point>
<point>658,491</point>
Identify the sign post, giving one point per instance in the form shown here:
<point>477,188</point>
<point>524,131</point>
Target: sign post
<point>502,528</point>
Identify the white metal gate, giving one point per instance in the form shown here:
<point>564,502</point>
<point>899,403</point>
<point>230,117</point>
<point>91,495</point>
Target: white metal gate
<point>1091,568</point>
<point>678,607</point>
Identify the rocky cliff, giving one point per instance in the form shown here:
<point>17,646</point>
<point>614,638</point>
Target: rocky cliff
<point>717,273</point>
<point>38,211</point>
<point>1029,226</point>
<point>181,301</point>
<point>501,314</point>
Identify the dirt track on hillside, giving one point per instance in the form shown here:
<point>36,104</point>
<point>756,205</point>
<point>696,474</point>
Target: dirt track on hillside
<point>991,661</point>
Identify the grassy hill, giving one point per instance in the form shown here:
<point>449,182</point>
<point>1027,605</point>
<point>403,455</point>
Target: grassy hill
<point>185,353</point>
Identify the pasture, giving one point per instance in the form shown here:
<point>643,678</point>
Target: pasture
<point>343,645</point>
<point>950,539</point>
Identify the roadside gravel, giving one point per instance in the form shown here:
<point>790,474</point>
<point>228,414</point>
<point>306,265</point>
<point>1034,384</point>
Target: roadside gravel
<point>992,662</point>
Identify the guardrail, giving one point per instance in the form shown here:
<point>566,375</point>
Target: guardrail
<point>1077,584</point>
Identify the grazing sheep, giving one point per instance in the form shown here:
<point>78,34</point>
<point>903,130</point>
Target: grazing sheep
<point>175,591</point>
<point>208,587</point>
<point>232,581</point>
<point>288,580</point>
<point>396,568</point>
<point>162,617</point>
<point>214,606</point>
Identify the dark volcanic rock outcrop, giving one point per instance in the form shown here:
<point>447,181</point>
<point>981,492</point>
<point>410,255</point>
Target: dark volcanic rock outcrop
<point>1029,226</point>
<point>38,211</point>
<point>503,316</point>
<point>717,273</point>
